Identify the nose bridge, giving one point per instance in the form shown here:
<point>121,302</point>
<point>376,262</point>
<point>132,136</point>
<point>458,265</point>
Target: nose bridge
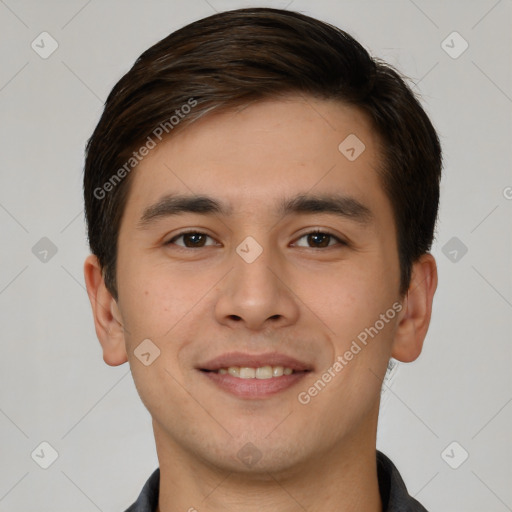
<point>253,291</point>
<point>253,280</point>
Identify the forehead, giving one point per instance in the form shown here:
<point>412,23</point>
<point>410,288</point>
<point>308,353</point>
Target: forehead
<point>268,149</point>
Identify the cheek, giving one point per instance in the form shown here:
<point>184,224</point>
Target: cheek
<point>361,315</point>
<point>349,299</point>
<point>156,298</point>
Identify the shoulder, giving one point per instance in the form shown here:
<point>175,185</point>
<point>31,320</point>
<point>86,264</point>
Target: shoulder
<point>394,494</point>
<point>148,497</point>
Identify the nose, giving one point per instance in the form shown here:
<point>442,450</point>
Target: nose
<point>256,295</point>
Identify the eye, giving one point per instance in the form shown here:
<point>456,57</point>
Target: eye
<point>196,239</point>
<point>320,239</point>
<point>191,239</point>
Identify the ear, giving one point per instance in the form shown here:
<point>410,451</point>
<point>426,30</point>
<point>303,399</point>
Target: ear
<point>107,317</point>
<point>417,308</point>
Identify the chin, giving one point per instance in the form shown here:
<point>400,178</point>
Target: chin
<point>256,457</point>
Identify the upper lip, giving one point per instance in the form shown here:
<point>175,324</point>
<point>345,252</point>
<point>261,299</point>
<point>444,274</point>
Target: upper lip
<point>242,359</point>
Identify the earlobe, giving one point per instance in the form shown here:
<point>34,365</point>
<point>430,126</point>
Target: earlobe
<point>415,317</point>
<point>107,317</point>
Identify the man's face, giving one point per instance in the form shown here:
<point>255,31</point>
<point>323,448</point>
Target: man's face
<point>304,298</point>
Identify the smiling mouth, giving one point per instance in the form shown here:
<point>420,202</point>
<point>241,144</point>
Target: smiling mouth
<point>261,373</point>
<point>254,383</point>
<point>254,376</point>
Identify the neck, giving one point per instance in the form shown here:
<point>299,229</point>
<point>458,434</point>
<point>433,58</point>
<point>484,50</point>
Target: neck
<point>343,479</point>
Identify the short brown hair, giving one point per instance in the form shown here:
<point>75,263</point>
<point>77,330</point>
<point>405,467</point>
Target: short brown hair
<point>247,55</point>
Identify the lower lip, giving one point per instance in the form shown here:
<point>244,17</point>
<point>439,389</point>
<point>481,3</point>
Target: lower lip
<point>254,388</point>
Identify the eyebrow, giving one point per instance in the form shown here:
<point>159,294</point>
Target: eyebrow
<point>337,204</point>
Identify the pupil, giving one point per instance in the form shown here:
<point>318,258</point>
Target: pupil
<point>195,236</point>
<point>314,237</point>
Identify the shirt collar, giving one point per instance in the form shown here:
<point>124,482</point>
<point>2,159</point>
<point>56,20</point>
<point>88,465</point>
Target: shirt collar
<point>393,492</point>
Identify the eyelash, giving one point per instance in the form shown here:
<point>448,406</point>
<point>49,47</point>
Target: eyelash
<point>315,231</point>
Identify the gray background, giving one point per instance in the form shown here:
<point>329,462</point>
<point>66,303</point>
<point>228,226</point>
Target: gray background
<point>54,385</point>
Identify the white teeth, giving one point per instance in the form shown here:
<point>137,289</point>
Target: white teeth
<point>234,371</point>
<point>263,372</point>
<point>277,371</point>
<point>247,373</point>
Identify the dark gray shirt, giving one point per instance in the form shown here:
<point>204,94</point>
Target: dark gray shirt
<point>393,492</point>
